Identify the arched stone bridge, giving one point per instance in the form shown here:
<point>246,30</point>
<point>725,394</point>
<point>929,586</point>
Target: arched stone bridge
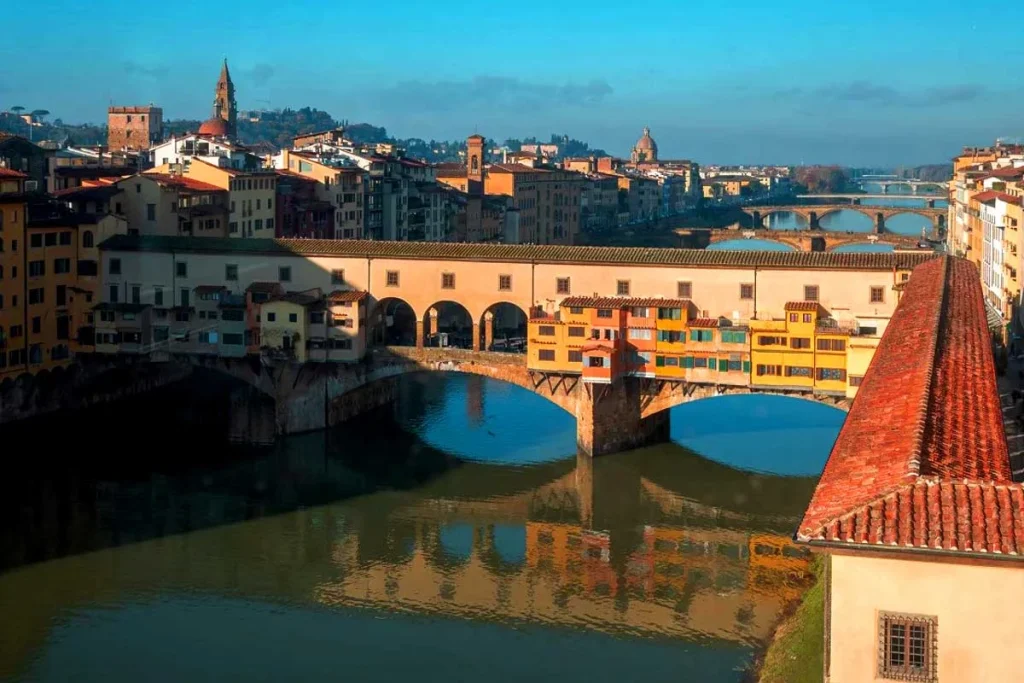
<point>813,213</point>
<point>801,240</point>
<point>609,418</point>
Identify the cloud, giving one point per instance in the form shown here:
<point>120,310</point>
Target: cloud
<point>491,92</point>
<point>259,74</point>
<point>872,93</point>
<point>136,69</point>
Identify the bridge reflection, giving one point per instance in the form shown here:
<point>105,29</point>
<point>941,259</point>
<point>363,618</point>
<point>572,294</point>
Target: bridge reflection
<point>655,542</point>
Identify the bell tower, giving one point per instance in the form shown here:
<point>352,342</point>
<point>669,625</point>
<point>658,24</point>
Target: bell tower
<point>224,106</point>
<point>475,158</point>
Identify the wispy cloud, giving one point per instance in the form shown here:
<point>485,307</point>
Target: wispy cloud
<point>492,92</point>
<point>866,92</point>
<point>259,75</point>
<point>136,69</point>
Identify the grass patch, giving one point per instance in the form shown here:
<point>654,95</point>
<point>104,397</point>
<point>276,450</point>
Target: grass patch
<point>796,653</point>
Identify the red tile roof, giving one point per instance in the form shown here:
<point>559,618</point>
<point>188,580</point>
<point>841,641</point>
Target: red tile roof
<point>184,182</point>
<point>515,168</point>
<point>10,173</point>
<point>622,302</point>
<point>704,322</point>
<point>992,195</point>
<point>1007,172</point>
<point>342,296</point>
<point>921,462</point>
<point>802,306</point>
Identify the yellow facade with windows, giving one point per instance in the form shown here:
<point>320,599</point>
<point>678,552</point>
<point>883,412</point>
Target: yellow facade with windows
<point>797,352</point>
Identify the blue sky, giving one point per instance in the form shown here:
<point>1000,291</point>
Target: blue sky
<point>720,82</point>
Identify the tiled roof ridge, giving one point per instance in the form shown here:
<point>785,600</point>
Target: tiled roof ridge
<point>905,518</point>
<point>921,426</point>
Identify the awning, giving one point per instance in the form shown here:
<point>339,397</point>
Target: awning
<point>993,316</point>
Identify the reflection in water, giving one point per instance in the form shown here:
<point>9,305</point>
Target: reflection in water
<point>373,549</point>
<point>865,247</point>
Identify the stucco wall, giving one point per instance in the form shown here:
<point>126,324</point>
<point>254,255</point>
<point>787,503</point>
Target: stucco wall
<point>980,620</point>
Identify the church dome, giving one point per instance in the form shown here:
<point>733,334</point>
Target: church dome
<point>216,127</point>
<point>646,143</point>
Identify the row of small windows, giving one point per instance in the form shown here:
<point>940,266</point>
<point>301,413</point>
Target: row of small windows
<point>821,374</point>
<point>803,343</point>
<point>251,184</point>
<point>660,361</point>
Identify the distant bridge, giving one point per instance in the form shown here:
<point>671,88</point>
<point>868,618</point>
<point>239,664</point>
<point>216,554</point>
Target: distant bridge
<point>800,240</point>
<point>857,198</point>
<point>913,184</point>
<point>813,213</point>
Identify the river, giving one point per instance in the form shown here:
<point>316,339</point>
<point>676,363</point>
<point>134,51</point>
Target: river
<point>908,224</point>
<point>453,537</point>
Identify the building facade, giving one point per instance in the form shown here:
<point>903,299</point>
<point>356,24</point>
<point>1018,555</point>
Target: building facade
<point>134,128</point>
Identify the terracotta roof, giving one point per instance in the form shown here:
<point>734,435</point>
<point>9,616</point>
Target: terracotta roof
<point>596,348</point>
<point>342,296</point>
<point>299,298</point>
<point>921,462</point>
<point>992,195</point>
<point>523,253</point>
<point>1007,172</point>
<point>182,181</point>
<point>515,168</point>
<point>264,287</point>
<point>703,322</point>
<point>802,306</point>
<point>10,173</point>
<point>622,302</point>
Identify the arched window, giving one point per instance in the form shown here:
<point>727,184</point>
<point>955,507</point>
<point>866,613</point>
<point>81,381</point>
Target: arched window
<point>87,239</point>
<point>475,164</point>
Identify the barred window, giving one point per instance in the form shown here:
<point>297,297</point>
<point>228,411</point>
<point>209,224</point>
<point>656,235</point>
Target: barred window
<point>907,647</point>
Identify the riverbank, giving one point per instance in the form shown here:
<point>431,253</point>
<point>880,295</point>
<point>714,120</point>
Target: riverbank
<point>796,651</point>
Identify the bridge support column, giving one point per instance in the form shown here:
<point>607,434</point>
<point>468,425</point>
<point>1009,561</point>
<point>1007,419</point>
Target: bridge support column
<point>476,336</point>
<point>608,419</point>
<point>419,334</point>
<point>879,224</point>
<point>488,330</point>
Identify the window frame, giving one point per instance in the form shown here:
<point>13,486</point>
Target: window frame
<point>622,288</point>
<point>559,282</point>
<point>391,278</point>
<point>504,283</point>
<point>684,289</point>
<point>812,293</point>
<point>905,672</point>
<point>448,280</point>
<point>881,295</point>
<point>746,291</point>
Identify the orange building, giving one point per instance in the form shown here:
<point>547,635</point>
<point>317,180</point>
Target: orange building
<point>13,343</point>
<point>604,338</point>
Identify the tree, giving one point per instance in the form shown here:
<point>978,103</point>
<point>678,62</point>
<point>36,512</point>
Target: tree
<point>17,109</point>
<point>40,114</point>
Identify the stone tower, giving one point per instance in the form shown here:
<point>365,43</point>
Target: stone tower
<point>475,158</point>
<point>224,106</point>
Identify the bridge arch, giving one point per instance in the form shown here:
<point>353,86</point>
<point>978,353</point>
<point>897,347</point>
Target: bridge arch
<point>393,322</point>
<point>676,395</point>
<point>450,318</point>
<point>502,327</point>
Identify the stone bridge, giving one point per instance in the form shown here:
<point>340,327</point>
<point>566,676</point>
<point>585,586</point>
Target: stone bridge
<point>813,213</point>
<point>800,240</point>
<point>609,418</point>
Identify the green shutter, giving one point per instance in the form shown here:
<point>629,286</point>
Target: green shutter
<point>659,361</point>
<point>712,363</point>
<point>746,366</point>
<point>687,361</point>
<point>694,335</point>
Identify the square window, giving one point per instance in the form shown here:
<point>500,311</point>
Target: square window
<point>284,273</point>
<point>622,287</point>
<point>562,285</point>
<point>877,295</point>
<point>546,354</point>
<point>293,317</point>
<point>231,272</point>
<point>392,278</point>
<point>447,280</point>
<point>907,648</point>
<point>181,269</point>
<point>746,292</point>
<point>271,317</point>
<point>685,290</point>
<point>114,266</point>
<point>810,292</point>
<point>337,277</point>
<point>504,282</point>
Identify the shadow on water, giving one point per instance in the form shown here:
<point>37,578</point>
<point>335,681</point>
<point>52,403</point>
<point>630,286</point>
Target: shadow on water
<point>433,526</point>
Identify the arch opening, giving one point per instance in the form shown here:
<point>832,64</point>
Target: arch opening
<point>503,328</point>
<point>394,323</point>
<point>846,220</point>
<point>908,222</point>
<point>448,324</point>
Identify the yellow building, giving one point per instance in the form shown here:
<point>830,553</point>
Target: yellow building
<point>799,351</point>
<point>307,326</point>
<point>13,342</point>
<point>251,197</point>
